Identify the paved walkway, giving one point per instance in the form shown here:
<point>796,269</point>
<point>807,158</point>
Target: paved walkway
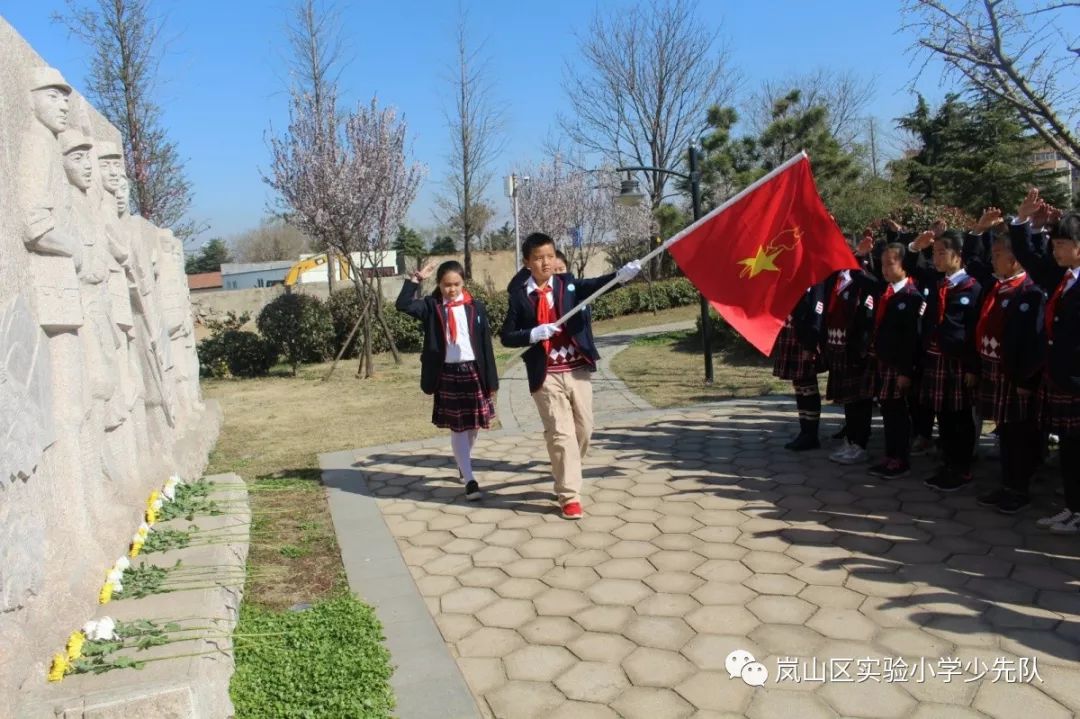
<point>704,538</point>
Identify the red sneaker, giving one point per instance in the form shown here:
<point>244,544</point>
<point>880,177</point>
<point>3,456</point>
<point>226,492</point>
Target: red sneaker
<point>571,510</point>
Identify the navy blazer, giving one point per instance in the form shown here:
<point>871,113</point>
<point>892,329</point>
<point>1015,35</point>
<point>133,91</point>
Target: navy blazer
<point>861,294</point>
<point>808,318</point>
<point>568,292</point>
<point>896,343</point>
<point>1063,351</point>
<point>432,313</point>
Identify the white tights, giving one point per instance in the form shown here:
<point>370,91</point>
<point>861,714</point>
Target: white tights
<point>462,444</point>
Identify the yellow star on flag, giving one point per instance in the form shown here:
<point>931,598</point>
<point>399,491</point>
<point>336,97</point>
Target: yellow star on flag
<point>761,262</point>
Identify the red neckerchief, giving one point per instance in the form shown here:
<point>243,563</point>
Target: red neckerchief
<point>1051,306</point>
<point>880,314</point>
<point>1001,287</point>
<point>545,311</point>
<point>451,324</point>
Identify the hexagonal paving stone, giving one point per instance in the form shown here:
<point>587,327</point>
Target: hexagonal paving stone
<point>648,667</point>
<point>601,647</point>
<point>676,542</point>
<point>529,568</point>
<point>674,582</point>
<point>555,530</point>
<point>788,640</point>
<point>544,548</point>
<point>658,632</point>
<point>495,557</point>
<point>585,558</point>
<point>636,531</point>
<point>467,600</point>
<point>524,700</point>
<point>676,561</point>
<point>431,539</point>
<point>473,531</point>
<point>482,577</point>
<point>842,624</point>
<point>582,710</point>
<point>490,642</point>
<point>775,584</point>
<point>538,663</point>
<point>645,516</point>
<point>435,586</point>
<point>628,568</point>
<point>832,597</point>
<point>560,602</point>
<point>632,548</point>
<point>716,692</point>
<point>652,703</point>
<point>456,626</point>
<point>719,518</point>
<point>483,674</point>
<point>723,593</point>
<point>520,588</point>
<point>722,620</point>
<point>447,521</point>
<point>618,591</point>
<point>593,540</point>
<point>781,610</point>
<point>709,651</point>
<point>605,618</point>
<point>667,605</point>
<point>777,703</point>
<point>877,699</point>
<point>722,570</point>
<point>571,577</point>
<point>593,681</point>
<point>769,562</point>
<point>550,630</point>
<point>913,643</point>
<point>507,537</point>
<point>507,613</point>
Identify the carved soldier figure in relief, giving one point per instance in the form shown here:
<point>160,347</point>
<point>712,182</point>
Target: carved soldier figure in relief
<point>178,320</point>
<point>56,254</point>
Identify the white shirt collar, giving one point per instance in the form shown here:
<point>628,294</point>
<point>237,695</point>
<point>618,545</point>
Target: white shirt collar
<point>531,286</point>
<point>897,286</point>
<point>957,277</point>
<point>845,280</point>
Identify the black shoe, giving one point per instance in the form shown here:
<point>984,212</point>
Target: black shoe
<point>842,434</point>
<point>803,442</point>
<point>472,491</point>
<point>992,499</point>
<point>878,469</point>
<point>952,482</point>
<point>896,470</point>
<point>938,478</point>
<point>1013,503</point>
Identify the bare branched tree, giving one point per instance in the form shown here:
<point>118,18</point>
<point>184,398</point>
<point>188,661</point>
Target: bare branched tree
<point>1026,55</point>
<point>475,140</point>
<point>640,91</point>
<point>844,94</point>
<point>271,240</point>
<point>126,46</point>
<point>348,183</point>
<point>577,210</point>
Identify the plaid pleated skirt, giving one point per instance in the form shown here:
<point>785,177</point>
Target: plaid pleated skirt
<point>1060,410</point>
<point>791,361</point>
<point>460,402</point>
<point>998,399</point>
<point>880,381</point>
<point>847,379</point>
<point>941,387</point>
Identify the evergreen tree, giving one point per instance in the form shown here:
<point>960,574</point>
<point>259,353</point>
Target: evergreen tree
<point>443,246</point>
<point>409,243</point>
<point>209,257</point>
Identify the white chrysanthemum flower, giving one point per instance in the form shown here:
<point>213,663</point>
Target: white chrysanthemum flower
<point>122,563</point>
<point>168,492</point>
<point>176,478</point>
<point>100,630</point>
<point>115,576</point>
<point>157,504</point>
<point>144,529</point>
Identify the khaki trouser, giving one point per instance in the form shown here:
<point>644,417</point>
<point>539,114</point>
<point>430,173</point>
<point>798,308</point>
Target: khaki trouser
<point>565,405</point>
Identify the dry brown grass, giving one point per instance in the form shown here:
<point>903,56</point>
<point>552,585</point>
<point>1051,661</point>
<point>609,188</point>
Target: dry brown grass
<point>645,319</point>
<point>668,370</point>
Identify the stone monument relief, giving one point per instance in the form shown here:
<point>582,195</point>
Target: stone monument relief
<point>99,385</point>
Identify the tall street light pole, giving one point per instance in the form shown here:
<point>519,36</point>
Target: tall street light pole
<point>630,195</point>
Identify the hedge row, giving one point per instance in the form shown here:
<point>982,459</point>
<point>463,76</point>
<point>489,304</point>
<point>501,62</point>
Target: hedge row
<point>303,328</point>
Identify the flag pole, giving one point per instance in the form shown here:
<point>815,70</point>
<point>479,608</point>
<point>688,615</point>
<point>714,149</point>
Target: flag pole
<point>687,230</point>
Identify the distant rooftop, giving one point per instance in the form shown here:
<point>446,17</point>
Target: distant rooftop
<point>239,268</point>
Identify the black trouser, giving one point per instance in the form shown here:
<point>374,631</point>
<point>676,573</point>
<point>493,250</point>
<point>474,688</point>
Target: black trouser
<point>808,402</point>
<point>1069,454</point>
<point>857,416</point>
<point>957,432</point>
<point>1020,453</point>
<point>922,419</point>
<point>894,413</point>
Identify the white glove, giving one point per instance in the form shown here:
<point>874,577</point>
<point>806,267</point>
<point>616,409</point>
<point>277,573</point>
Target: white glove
<point>628,271</point>
<point>543,332</point>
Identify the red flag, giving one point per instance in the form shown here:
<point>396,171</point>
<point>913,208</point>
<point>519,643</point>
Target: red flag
<point>754,257</point>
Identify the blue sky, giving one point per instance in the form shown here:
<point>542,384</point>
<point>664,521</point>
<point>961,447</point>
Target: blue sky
<point>222,80</point>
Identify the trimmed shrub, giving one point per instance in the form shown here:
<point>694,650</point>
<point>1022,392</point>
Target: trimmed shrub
<point>299,327</point>
<point>344,307</point>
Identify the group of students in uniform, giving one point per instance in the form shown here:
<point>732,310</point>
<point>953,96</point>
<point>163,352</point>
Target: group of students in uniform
<point>961,327</point>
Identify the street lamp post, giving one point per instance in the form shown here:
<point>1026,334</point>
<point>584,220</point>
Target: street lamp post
<point>630,195</point>
<point>513,185</point>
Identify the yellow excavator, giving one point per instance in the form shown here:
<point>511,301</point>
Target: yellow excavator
<point>308,263</point>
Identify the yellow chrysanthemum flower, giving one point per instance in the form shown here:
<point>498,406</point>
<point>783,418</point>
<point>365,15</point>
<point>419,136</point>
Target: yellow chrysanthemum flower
<point>60,666</point>
<point>106,593</point>
<point>153,498</point>
<point>75,645</point>
<point>136,547</point>
<point>151,515</point>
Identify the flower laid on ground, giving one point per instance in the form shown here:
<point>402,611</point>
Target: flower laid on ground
<point>105,595</point>
<point>60,666</point>
<point>115,577</point>
<point>154,496</point>
<point>100,630</point>
<point>169,489</point>
<point>136,545</point>
<point>144,529</point>
<point>122,563</point>
<point>151,515</point>
<point>74,645</point>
